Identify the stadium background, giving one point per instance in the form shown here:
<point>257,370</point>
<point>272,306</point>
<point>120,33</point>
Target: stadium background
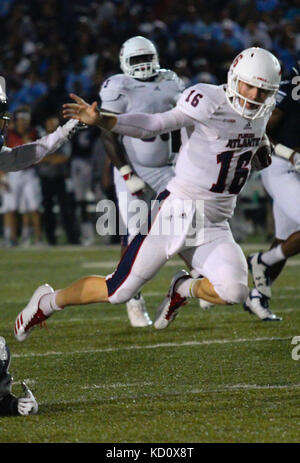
<point>214,376</point>
<point>52,48</point>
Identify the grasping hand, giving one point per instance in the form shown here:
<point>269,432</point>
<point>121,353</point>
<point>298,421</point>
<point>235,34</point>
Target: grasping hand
<point>82,111</point>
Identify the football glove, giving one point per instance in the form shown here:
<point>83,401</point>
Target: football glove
<point>27,405</point>
<point>263,156</point>
<point>134,183</point>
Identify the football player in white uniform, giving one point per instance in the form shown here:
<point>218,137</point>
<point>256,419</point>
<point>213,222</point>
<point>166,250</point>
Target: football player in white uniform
<point>143,87</point>
<point>224,130</point>
<point>282,182</point>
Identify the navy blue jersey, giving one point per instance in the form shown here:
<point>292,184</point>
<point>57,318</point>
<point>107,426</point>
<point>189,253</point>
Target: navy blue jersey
<point>83,142</point>
<point>288,101</point>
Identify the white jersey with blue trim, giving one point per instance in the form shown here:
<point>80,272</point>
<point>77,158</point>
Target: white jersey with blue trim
<point>151,158</point>
<point>215,157</point>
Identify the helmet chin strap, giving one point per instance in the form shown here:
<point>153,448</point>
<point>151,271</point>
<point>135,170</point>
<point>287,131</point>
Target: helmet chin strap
<point>234,99</point>
<point>242,108</point>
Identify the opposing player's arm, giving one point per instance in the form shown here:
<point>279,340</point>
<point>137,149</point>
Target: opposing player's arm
<point>114,149</point>
<point>291,154</point>
<point>139,125</point>
<point>20,157</point>
<point>116,153</point>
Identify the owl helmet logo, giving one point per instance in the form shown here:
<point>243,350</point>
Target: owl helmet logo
<point>137,68</point>
<point>259,68</point>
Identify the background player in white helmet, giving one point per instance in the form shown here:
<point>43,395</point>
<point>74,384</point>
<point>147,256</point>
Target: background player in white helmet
<point>282,182</point>
<point>143,87</point>
<point>225,128</point>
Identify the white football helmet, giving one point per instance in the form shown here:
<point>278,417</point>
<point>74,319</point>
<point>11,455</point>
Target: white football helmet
<point>259,68</point>
<point>134,67</point>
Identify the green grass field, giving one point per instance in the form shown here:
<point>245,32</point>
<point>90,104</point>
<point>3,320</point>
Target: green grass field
<point>215,376</point>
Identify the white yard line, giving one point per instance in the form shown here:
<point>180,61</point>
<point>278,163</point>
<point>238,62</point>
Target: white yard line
<point>153,346</point>
<point>223,388</point>
<point>117,385</point>
<point>167,391</point>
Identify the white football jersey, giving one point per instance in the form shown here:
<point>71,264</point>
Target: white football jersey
<point>216,152</point>
<point>151,158</point>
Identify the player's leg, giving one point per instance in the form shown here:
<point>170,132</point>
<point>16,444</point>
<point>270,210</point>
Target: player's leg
<point>10,228</point>
<point>49,219</point>
<point>24,210</point>
<point>266,266</point>
<point>116,288</point>
<point>34,199</point>
<point>82,176</point>
<point>9,208</point>
<point>271,264</point>
<point>146,254</point>
<point>136,306</point>
<point>286,211</point>
<point>225,278</point>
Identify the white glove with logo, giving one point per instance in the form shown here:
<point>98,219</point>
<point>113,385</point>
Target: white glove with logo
<point>134,183</point>
<point>27,405</point>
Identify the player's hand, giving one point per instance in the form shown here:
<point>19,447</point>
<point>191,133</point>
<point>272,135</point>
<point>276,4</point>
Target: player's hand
<point>134,183</point>
<point>263,156</point>
<point>27,405</point>
<point>82,111</point>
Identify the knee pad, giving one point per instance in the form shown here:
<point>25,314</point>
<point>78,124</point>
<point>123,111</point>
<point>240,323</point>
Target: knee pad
<point>5,377</point>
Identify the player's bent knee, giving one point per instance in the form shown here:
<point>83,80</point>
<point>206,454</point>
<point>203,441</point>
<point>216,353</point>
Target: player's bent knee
<point>122,296</point>
<point>236,293</point>
<point>126,291</point>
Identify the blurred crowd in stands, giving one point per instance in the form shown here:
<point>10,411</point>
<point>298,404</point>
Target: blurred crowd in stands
<point>54,47</point>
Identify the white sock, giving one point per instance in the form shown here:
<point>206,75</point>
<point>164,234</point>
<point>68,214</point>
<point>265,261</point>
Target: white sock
<point>256,293</point>
<point>194,273</point>
<point>48,303</point>
<point>26,232</point>
<point>273,256</point>
<point>7,233</point>
<point>185,287</point>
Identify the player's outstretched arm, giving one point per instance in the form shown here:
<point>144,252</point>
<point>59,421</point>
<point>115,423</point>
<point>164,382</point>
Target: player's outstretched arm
<point>137,125</point>
<point>88,114</point>
<point>23,156</point>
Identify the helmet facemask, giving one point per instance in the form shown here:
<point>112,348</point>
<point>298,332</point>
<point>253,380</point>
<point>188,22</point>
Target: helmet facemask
<point>258,68</point>
<point>239,102</point>
<point>139,58</point>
